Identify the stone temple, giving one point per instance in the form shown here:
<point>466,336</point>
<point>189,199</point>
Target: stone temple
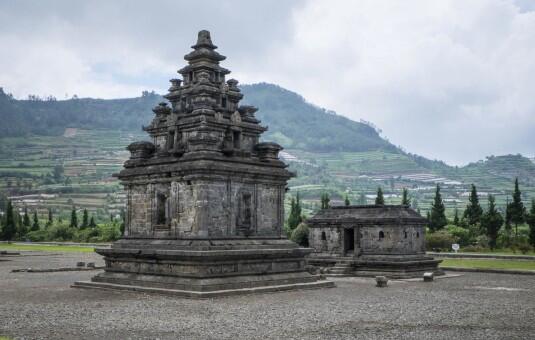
<point>370,240</point>
<point>205,198</point>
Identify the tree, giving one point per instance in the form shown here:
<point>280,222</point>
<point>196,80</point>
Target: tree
<point>74,218</point>
<point>456,220</point>
<point>437,217</point>
<point>325,201</point>
<point>346,201</point>
<point>295,213</point>
<point>50,218</point>
<point>530,219</point>
<point>380,199</point>
<point>35,225</point>
<point>491,222</point>
<point>92,223</point>
<point>123,222</point>
<point>300,235</point>
<point>58,173</point>
<point>24,225</point>
<point>85,220</point>
<point>9,229</point>
<point>516,208</point>
<point>507,223</point>
<point>26,219</point>
<point>473,210</point>
<point>405,199</point>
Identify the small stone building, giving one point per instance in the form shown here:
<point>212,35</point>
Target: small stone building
<point>370,240</point>
<point>205,197</point>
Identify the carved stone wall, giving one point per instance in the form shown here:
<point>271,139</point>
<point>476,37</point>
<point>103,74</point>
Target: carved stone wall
<point>394,240</point>
<point>367,230</point>
<point>327,240</point>
<point>205,208</point>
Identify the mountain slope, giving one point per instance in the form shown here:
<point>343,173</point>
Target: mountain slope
<point>39,117</point>
<point>292,121</point>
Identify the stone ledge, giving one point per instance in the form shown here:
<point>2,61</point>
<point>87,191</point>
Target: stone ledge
<point>204,295</point>
<point>204,254</point>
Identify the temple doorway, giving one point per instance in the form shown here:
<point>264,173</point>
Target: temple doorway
<point>349,241</point>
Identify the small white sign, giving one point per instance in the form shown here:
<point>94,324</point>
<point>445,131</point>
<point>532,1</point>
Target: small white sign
<point>455,247</point>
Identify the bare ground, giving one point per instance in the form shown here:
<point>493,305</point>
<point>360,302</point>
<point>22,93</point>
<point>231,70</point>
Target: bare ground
<point>471,306</point>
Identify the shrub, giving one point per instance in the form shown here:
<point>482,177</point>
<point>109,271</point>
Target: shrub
<point>37,236</point>
<point>482,241</point>
<point>524,248</point>
<point>474,249</point>
<point>440,240</point>
<point>85,235</point>
<point>61,233</point>
<point>462,234</point>
<point>107,233</point>
<point>300,235</point>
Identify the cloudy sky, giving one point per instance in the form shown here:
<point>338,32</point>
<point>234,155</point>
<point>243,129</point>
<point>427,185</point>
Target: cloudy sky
<point>447,79</point>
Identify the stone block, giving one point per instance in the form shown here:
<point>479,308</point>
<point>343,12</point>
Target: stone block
<point>381,281</point>
<point>428,277</point>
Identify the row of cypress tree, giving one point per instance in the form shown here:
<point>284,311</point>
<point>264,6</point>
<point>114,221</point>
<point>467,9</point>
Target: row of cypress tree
<point>14,226</point>
<point>491,220</point>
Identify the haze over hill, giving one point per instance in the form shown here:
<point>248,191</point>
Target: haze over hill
<point>291,120</point>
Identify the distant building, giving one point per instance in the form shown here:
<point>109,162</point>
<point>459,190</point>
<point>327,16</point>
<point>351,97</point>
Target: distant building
<point>369,240</point>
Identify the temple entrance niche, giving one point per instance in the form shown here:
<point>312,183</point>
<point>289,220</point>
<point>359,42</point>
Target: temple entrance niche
<point>349,241</point>
<point>244,222</point>
<point>161,209</point>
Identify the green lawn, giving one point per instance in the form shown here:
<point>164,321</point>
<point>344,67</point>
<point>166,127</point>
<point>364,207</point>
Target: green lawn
<point>497,252</point>
<point>489,264</point>
<point>42,247</point>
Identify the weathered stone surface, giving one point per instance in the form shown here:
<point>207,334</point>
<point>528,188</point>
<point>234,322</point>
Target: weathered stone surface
<point>381,281</point>
<point>204,197</point>
<point>428,277</point>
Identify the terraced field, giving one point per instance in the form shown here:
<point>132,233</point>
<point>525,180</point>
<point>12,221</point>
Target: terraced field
<point>58,172</point>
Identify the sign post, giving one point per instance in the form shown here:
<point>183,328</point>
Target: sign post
<point>455,247</point>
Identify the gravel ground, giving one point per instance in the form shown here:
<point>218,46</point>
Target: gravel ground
<point>471,306</point>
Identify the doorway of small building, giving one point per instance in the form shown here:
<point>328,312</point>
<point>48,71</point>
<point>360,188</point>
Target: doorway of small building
<point>349,241</point>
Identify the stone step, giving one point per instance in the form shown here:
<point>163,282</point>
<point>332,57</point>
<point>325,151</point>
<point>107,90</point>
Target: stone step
<point>201,294</point>
<point>340,270</point>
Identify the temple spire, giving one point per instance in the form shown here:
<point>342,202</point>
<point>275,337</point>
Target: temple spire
<point>204,40</point>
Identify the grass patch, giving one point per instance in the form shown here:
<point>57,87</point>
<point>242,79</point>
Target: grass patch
<point>502,252</point>
<point>489,264</point>
<point>42,247</point>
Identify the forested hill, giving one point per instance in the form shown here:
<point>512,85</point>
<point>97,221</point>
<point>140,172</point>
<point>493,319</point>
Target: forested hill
<point>51,117</point>
<point>292,121</point>
<point>295,123</point>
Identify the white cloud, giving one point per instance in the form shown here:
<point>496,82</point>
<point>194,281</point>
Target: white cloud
<point>447,79</point>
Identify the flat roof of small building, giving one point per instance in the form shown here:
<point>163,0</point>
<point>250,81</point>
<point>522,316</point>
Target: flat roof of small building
<point>368,214</point>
